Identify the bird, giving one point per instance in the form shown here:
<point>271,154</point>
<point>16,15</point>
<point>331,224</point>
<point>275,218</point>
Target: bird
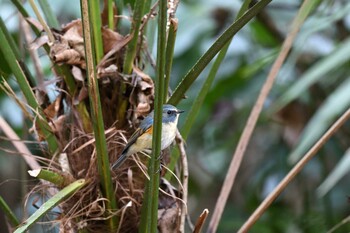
<point>141,139</point>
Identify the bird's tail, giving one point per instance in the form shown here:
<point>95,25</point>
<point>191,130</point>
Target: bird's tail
<point>120,160</point>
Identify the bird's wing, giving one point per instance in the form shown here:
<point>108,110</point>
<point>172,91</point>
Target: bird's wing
<point>144,127</point>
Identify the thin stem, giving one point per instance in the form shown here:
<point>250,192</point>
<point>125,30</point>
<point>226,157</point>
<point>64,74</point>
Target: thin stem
<point>41,20</point>
<point>110,14</point>
<point>51,203</point>
<point>149,217</point>
<point>296,169</point>
<point>132,47</point>
<point>194,72</point>
<point>8,212</point>
<point>25,87</point>
<point>94,7</point>
<point>50,176</point>
<point>250,125</point>
<point>169,54</point>
<point>49,15</point>
<point>97,118</point>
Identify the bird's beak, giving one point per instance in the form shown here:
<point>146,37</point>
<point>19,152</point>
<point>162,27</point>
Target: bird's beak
<point>180,111</point>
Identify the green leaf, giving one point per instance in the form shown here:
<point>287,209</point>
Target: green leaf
<point>149,213</point>
<point>333,107</point>
<point>51,203</point>
<point>318,71</point>
<point>49,15</point>
<point>132,46</point>
<point>194,72</point>
<point>198,102</point>
<point>8,212</point>
<point>96,115</point>
<point>169,55</point>
<point>50,176</point>
<point>341,169</point>
<point>95,17</point>
<point>19,69</point>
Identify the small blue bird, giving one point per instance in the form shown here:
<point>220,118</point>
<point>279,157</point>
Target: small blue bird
<point>141,139</point>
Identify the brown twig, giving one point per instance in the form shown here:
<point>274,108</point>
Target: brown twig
<point>20,146</point>
<point>181,145</point>
<point>296,169</point>
<point>200,221</point>
<point>32,53</point>
<point>250,125</point>
<point>42,21</point>
<point>342,222</point>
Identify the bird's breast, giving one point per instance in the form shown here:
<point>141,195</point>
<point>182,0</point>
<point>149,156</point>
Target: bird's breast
<point>168,134</point>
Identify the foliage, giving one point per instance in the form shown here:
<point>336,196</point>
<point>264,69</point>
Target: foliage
<point>309,95</point>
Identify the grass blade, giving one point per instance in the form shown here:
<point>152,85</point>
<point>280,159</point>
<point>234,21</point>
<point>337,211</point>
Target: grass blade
<point>18,144</point>
<point>333,107</point>
<point>50,176</point>
<point>198,102</point>
<point>318,71</point>
<point>169,55</point>
<point>132,46</point>
<point>295,170</point>
<point>110,14</point>
<point>41,20</point>
<point>95,17</point>
<point>49,15</point>
<point>237,158</point>
<point>340,170</point>
<point>18,72</point>
<point>194,72</point>
<point>149,214</point>
<point>8,212</point>
<point>51,203</point>
<point>61,70</point>
<point>96,116</point>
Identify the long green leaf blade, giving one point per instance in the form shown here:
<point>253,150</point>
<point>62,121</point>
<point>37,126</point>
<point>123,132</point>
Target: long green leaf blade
<point>49,15</point>
<point>8,212</point>
<point>97,117</point>
<point>95,17</point>
<point>22,80</point>
<point>333,107</point>
<point>340,170</point>
<point>149,217</point>
<point>208,82</point>
<point>198,102</point>
<point>51,203</point>
<point>194,72</point>
<point>132,46</point>
<point>318,71</point>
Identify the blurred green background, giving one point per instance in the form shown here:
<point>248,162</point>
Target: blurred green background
<point>311,91</point>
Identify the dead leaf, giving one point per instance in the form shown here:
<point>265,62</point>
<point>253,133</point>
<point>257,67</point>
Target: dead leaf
<point>69,56</point>
<point>111,39</point>
<point>74,23</point>
<point>69,46</point>
<point>78,74</point>
<point>83,94</point>
<point>52,110</point>
<point>113,42</point>
<point>143,92</point>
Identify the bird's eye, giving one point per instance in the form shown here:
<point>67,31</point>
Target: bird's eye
<point>169,112</point>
